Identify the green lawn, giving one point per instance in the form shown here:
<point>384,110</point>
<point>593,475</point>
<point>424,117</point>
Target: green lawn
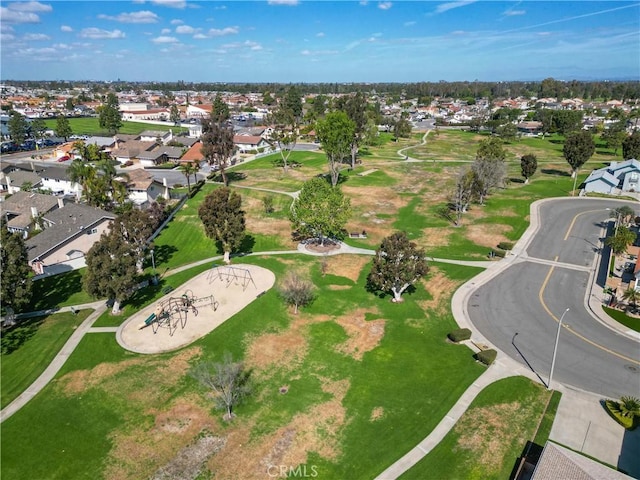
<point>621,317</point>
<point>59,291</point>
<point>91,126</point>
<point>30,346</point>
<point>110,394</point>
<point>490,436</point>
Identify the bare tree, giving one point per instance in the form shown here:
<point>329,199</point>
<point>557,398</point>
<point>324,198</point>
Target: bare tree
<point>228,380</point>
<point>463,193</point>
<point>488,174</point>
<point>296,291</point>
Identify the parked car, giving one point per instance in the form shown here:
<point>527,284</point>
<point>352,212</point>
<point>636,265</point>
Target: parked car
<point>64,158</point>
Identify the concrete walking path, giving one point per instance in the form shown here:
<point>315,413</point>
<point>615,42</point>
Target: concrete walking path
<point>54,367</point>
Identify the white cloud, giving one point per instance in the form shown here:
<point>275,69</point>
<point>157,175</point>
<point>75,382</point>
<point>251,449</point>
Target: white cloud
<point>97,33</point>
<point>14,16</point>
<point>220,7</point>
<point>200,36</point>
<point>444,7</point>
<point>320,34</point>
<point>30,7</point>
<point>36,36</point>
<point>165,31</point>
<point>384,5</point>
<point>66,28</point>
<point>186,30</point>
<point>62,46</point>
<point>291,3</point>
<point>364,3</point>
<point>176,21</point>
<point>246,44</point>
<point>219,32</point>
<point>143,16</point>
<point>4,28</point>
<point>409,24</point>
<point>170,3</point>
<point>6,37</point>
<point>164,39</point>
<point>511,13</point>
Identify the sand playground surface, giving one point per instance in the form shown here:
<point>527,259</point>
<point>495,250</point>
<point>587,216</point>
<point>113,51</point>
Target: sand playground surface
<point>194,309</point>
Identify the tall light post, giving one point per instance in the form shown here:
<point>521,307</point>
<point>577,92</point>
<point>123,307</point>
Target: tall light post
<point>153,264</point>
<point>555,349</point>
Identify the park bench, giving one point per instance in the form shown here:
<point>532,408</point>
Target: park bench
<point>150,319</point>
<point>362,234</point>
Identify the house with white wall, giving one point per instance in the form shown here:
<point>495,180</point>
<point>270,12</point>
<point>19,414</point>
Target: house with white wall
<point>143,188</point>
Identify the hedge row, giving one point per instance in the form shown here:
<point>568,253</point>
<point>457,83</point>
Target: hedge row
<point>486,356</point>
<point>459,335</point>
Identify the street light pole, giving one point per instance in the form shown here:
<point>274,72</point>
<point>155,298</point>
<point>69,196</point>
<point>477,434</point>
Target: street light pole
<point>153,263</point>
<point>555,349</point>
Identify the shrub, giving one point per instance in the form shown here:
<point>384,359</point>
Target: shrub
<point>613,409</point>
<point>459,335</point>
<point>267,203</point>
<point>505,245</point>
<point>487,356</point>
<point>498,253</point>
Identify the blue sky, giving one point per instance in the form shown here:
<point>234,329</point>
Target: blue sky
<point>319,41</point>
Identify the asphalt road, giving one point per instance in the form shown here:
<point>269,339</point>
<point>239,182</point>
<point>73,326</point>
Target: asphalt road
<point>516,310</point>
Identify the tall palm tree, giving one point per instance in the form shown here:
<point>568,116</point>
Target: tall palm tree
<point>79,172</point>
<point>629,407</point>
<point>631,295</point>
<point>188,169</point>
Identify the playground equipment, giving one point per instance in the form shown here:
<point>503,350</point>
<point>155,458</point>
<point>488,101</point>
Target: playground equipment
<point>174,311</point>
<point>229,274</point>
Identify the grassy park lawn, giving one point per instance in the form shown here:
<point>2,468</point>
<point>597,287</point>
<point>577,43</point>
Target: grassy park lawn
<point>30,346</point>
<point>58,291</point>
<point>91,126</point>
<point>490,436</point>
<point>621,317</point>
<point>339,358</point>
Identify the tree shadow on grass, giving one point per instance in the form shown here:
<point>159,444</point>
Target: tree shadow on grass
<point>555,171</point>
<point>52,291</point>
<point>383,294</point>
<point>162,254</point>
<point>557,141</point>
<point>516,180</point>
<point>14,337</point>
<point>231,177</point>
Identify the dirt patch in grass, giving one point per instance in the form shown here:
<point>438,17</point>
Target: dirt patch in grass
<point>487,235</point>
<point>137,452</point>
<point>81,380</point>
<point>315,430</point>
<point>489,432</point>
<point>363,335</point>
<point>435,236</point>
<point>188,464</point>
<point>348,266</point>
<point>339,287</point>
<point>376,414</point>
<point>440,287</point>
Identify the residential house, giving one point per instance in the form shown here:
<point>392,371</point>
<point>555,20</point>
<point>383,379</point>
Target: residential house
<point>131,150</point>
<point>16,179</point>
<point>23,211</point>
<point>199,111</point>
<point>69,232</point>
<point>617,177</point>
<point>529,128</point>
<point>143,188</point>
<point>250,143</point>
<point>156,136</point>
<point>151,114</point>
<point>194,154</point>
<point>56,179</point>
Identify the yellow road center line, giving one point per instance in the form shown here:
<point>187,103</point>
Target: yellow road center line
<point>581,337</point>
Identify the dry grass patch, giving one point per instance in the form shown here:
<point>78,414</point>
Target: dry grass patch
<point>488,432</point>
<point>316,430</point>
<point>439,287</point>
<point>348,266</point>
<point>364,335</point>
<point>80,381</point>
<point>376,414</point>
<point>435,236</point>
<point>487,235</point>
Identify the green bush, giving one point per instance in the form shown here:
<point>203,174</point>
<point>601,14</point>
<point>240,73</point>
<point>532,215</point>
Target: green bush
<point>498,253</point>
<point>613,409</point>
<point>505,245</point>
<point>459,335</point>
<point>487,356</point>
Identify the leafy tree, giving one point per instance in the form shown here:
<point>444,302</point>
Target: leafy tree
<point>68,104</point>
<point>109,115</point>
<point>38,128</point>
<point>489,168</point>
<point>111,269</point>
<point>578,148</point>
<point>135,226</point>
<point>268,99</point>
<point>320,211</point>
<point>567,121</point>
<point>402,128</point>
<point>528,166</point>
<point>223,219</point>
<point>507,132</point>
<point>18,127</point>
<point>631,146</point>
<point>285,131</point>
<point>355,106</point>
<point>335,133</point>
<point>174,115</point>
<point>397,265</point>
<point>79,172</point>
<point>296,291</point>
<point>622,238</point>
<point>463,193</point>
<point>228,380</point>
<point>292,102</point>
<point>217,144</point>
<point>491,148</point>
<point>63,128</point>
<point>15,279</point>
<point>624,214</point>
<point>219,109</point>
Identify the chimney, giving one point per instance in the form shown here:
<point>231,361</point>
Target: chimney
<point>34,212</point>
<point>60,202</point>
<point>164,182</point>
<point>33,167</point>
<point>8,183</point>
